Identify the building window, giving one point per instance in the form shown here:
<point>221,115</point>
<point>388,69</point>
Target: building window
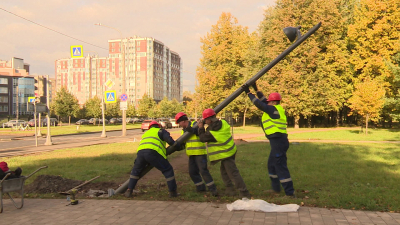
<point>3,99</point>
<point>3,90</point>
<point>3,108</point>
<point>3,81</point>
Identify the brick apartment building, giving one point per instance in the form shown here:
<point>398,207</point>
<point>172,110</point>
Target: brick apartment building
<point>150,68</point>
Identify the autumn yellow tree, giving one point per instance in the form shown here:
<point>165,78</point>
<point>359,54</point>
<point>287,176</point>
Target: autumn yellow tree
<point>222,50</point>
<point>368,99</point>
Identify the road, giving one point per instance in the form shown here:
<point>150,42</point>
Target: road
<point>26,145</point>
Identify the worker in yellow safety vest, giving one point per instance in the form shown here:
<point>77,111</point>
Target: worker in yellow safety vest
<point>222,148</point>
<point>274,126</point>
<point>197,152</point>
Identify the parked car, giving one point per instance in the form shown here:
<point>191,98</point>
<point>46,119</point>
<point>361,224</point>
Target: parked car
<point>82,122</point>
<point>145,125</point>
<point>129,120</point>
<point>53,122</point>
<point>31,122</point>
<point>94,120</point>
<point>115,121</point>
<point>13,123</point>
<point>165,124</point>
<point>174,124</point>
<point>101,121</point>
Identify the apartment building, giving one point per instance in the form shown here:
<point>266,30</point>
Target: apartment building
<point>137,66</point>
<point>15,80</point>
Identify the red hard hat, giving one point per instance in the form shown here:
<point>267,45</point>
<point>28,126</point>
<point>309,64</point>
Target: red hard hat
<point>179,115</point>
<point>207,113</point>
<point>154,123</point>
<point>4,166</point>
<point>275,96</point>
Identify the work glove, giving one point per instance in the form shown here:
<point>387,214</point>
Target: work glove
<point>255,87</point>
<point>246,88</point>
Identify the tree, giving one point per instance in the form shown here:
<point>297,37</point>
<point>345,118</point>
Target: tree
<point>93,108</point>
<point>165,108</point>
<point>66,104</point>
<point>131,112</point>
<point>176,107</point>
<point>113,109</point>
<point>368,99</point>
<point>313,79</point>
<point>222,57</point>
<point>146,106</point>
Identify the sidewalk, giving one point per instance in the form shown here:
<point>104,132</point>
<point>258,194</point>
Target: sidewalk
<point>55,211</point>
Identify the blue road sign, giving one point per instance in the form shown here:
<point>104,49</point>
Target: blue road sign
<point>124,97</point>
<point>110,96</point>
<point>76,51</point>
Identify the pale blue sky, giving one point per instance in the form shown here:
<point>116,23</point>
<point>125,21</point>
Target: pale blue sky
<point>179,24</point>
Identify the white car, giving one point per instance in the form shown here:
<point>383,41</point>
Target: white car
<point>13,123</point>
<point>174,124</point>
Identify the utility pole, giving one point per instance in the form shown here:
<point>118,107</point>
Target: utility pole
<point>48,138</point>
<point>17,102</point>
<point>103,133</point>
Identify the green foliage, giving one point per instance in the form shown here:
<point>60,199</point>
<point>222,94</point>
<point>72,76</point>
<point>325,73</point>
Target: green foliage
<point>146,106</point>
<point>93,107</point>
<point>113,110</point>
<point>131,112</point>
<point>65,103</point>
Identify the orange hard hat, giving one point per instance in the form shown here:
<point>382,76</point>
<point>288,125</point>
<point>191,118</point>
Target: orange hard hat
<point>207,113</point>
<point>275,96</point>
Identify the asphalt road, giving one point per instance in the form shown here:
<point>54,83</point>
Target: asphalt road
<point>27,145</point>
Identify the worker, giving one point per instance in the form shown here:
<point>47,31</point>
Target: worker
<point>152,150</point>
<point>222,148</point>
<point>274,126</point>
<point>197,152</point>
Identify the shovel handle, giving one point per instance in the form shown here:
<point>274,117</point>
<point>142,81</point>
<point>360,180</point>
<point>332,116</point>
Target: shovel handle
<point>43,167</point>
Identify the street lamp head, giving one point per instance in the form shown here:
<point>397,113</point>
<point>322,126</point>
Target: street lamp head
<point>292,33</point>
<point>98,24</point>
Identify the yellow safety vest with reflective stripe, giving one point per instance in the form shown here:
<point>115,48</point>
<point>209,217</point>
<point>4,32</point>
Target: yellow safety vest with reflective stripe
<point>194,146</point>
<point>224,147</point>
<point>150,140</point>
<point>271,126</point>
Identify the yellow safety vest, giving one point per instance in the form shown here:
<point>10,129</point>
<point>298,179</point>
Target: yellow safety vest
<point>225,146</point>
<point>150,140</point>
<point>194,146</point>
<point>271,126</point>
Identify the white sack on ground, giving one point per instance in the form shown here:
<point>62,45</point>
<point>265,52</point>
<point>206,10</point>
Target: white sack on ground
<point>261,205</point>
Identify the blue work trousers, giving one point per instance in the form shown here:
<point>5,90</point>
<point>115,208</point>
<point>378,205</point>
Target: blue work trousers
<point>198,171</point>
<point>148,156</point>
<point>277,165</point>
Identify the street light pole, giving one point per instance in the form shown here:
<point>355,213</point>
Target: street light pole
<point>48,137</point>
<point>123,76</point>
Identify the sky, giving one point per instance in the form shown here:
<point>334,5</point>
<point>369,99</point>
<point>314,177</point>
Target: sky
<point>179,24</point>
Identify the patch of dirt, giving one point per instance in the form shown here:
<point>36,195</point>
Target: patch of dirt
<point>239,141</point>
<point>45,184</point>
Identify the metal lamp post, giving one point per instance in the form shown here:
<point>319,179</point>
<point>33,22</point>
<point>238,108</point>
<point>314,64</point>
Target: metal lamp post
<point>123,76</point>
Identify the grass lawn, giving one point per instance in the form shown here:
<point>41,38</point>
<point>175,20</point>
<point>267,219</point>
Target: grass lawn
<point>60,130</point>
<point>350,176</point>
<point>344,135</point>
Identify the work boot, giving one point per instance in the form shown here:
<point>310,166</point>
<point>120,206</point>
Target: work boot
<point>214,192</point>
<point>245,194</point>
<point>201,188</point>
<point>230,191</point>
<point>18,172</point>
<point>128,193</point>
<point>173,194</point>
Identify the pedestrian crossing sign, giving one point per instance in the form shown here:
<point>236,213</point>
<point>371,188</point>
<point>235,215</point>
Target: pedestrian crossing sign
<point>76,51</point>
<point>110,96</point>
<point>31,99</point>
